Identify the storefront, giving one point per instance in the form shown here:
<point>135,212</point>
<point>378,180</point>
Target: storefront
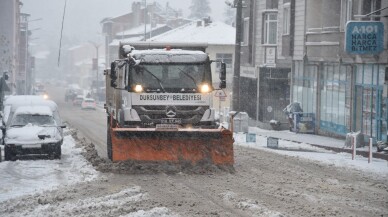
<point>345,97</point>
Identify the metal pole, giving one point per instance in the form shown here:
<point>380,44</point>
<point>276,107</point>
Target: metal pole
<point>145,20</point>
<point>97,87</point>
<point>237,54</point>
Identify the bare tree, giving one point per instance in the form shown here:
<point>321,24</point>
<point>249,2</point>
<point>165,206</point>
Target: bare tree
<point>199,9</point>
<point>230,15</point>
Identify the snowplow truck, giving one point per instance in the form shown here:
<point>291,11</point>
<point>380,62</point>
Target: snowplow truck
<point>159,107</point>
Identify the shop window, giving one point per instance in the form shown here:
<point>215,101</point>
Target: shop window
<point>335,99</point>
<point>270,28</point>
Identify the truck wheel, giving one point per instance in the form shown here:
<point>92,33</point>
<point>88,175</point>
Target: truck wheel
<point>8,154</point>
<point>108,141</point>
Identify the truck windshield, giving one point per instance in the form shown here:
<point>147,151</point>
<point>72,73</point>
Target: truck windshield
<point>171,77</point>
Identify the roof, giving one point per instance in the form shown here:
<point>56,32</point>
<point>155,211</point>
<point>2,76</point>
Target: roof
<point>28,100</point>
<point>140,29</point>
<point>174,55</point>
<point>34,110</point>
<point>216,33</point>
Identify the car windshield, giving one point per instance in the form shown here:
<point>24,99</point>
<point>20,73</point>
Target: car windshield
<point>34,119</point>
<point>171,76</point>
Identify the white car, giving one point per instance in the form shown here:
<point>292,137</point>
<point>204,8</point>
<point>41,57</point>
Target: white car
<point>33,131</point>
<point>88,103</point>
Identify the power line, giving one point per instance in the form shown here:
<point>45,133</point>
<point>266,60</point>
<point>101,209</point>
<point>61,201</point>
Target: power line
<point>60,40</point>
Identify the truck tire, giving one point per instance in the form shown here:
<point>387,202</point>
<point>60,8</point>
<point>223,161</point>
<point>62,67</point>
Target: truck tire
<point>108,141</point>
<point>8,154</point>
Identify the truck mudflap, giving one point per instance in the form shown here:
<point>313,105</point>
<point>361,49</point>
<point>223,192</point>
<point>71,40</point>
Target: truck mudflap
<point>183,146</point>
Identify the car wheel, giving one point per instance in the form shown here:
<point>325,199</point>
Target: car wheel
<point>9,155</point>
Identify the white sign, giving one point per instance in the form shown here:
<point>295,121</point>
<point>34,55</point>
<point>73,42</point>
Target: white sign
<point>248,72</point>
<point>170,99</point>
<point>270,55</point>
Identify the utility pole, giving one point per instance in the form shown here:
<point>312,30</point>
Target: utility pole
<point>237,53</point>
<point>145,20</point>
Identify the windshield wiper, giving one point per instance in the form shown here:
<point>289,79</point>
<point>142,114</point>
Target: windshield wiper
<point>189,76</point>
<point>159,81</point>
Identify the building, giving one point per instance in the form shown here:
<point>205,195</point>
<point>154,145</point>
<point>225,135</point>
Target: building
<point>9,40</point>
<point>266,52</point>
<point>140,24</point>
<point>344,89</point>
<point>297,51</point>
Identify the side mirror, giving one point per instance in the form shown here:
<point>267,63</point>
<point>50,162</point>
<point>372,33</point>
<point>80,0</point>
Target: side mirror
<point>223,76</point>
<point>113,75</point>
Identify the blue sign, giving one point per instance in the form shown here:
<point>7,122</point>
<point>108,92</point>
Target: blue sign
<point>364,37</point>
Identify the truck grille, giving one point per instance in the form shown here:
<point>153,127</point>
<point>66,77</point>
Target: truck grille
<point>188,114</point>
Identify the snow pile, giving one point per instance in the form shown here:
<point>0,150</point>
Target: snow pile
<point>248,205</point>
<point>308,152</point>
<point>20,178</point>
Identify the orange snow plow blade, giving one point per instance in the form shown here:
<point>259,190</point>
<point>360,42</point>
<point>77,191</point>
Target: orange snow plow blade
<point>214,146</point>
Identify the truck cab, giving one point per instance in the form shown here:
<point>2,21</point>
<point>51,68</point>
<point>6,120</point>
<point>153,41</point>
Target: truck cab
<point>162,87</point>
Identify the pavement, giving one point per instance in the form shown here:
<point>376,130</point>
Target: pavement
<point>328,143</point>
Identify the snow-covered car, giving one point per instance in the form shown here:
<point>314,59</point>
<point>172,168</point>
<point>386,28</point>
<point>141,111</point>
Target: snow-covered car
<point>11,103</point>
<point>33,131</point>
<point>88,103</point>
<point>78,100</point>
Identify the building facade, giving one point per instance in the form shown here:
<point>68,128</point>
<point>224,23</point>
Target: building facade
<point>265,61</point>
<point>295,51</point>
<point>9,40</point>
<point>343,89</point>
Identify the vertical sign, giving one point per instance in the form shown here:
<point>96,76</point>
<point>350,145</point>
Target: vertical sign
<point>364,37</point>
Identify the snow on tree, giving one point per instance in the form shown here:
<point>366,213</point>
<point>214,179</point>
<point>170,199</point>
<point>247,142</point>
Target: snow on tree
<point>199,9</point>
<point>230,15</point>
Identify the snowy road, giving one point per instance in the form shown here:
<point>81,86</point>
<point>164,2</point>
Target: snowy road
<point>265,183</point>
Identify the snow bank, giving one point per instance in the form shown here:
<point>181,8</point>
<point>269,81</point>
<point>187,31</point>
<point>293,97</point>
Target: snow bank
<point>19,178</point>
<point>302,150</point>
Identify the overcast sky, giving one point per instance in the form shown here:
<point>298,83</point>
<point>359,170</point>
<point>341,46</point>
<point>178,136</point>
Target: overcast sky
<point>83,17</point>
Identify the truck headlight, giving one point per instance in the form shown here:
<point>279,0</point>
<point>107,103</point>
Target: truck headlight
<point>138,88</point>
<point>205,88</point>
<point>45,96</point>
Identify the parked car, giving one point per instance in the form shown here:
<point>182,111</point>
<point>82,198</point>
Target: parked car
<point>11,103</point>
<point>78,100</point>
<point>32,131</point>
<point>88,103</point>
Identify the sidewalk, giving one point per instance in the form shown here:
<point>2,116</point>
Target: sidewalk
<point>337,145</point>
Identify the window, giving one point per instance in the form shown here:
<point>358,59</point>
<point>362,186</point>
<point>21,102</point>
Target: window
<point>270,28</point>
<point>226,58</point>
<point>246,31</point>
<point>346,12</point>
<point>371,6</point>
<point>286,18</point>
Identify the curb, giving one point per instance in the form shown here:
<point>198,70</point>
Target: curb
<point>339,150</point>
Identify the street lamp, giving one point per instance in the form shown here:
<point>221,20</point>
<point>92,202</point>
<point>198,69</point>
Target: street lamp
<point>96,64</point>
